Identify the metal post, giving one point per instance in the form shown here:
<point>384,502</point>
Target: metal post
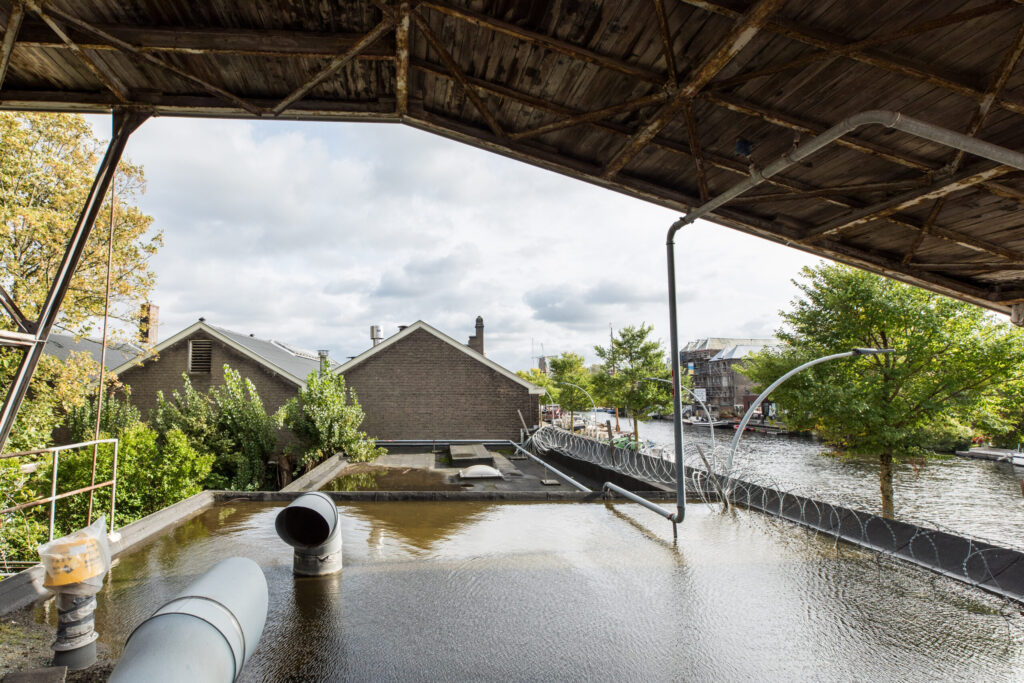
<point>113,489</point>
<point>773,385</point>
<point>53,491</point>
<point>677,402</point>
<point>125,122</point>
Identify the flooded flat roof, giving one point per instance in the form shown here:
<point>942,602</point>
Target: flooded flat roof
<point>486,591</point>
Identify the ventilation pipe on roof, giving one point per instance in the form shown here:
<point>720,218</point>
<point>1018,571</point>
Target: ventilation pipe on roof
<point>310,525</point>
<point>207,633</point>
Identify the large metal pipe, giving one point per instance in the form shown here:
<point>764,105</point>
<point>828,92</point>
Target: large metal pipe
<point>207,633</point>
<point>882,117</point>
<point>310,524</point>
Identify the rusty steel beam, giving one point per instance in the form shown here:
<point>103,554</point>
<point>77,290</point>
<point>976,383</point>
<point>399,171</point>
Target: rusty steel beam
<point>109,80</point>
<point>458,74</point>
<point>832,44</point>
<point>402,59</point>
<point>962,180</point>
<point>941,22</point>
<point>744,30</point>
<point>666,39</point>
<point>208,41</point>
<point>695,150</point>
<point>536,38</point>
<point>839,190</point>
<point>337,63</point>
<point>929,223</point>
<point>10,36</point>
<point>598,115</point>
<point>142,55</point>
<point>20,321</point>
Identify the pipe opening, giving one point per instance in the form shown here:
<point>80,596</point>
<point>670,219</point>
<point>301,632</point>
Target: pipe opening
<point>302,527</point>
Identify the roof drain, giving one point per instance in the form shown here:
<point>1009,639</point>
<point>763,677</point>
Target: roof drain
<point>207,633</point>
<point>310,525</point>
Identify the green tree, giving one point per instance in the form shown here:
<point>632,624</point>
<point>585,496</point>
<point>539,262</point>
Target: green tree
<point>46,169</point>
<point>950,360</point>
<point>566,371</point>
<point>325,417</point>
<point>627,362</point>
<point>538,378</point>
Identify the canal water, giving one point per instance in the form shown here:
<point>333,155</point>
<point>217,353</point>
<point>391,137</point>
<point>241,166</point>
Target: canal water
<point>580,591</point>
<point>976,498</point>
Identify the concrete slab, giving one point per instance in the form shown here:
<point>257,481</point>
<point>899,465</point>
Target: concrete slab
<point>464,455</point>
<point>419,461</point>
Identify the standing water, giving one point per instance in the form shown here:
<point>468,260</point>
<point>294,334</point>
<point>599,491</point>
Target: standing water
<point>977,498</point>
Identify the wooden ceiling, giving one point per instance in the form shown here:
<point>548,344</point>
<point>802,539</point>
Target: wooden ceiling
<point>672,101</point>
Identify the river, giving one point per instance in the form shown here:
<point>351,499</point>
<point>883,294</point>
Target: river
<point>977,498</point>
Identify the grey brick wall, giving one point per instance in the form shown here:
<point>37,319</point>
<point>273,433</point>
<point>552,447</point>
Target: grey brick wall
<point>422,388</point>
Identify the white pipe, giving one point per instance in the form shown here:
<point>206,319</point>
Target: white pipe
<point>310,524</point>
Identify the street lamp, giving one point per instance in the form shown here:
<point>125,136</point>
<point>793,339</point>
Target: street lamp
<point>764,394</point>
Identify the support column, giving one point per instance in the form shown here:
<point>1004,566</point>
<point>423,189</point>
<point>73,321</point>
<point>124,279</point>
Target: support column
<point>124,124</point>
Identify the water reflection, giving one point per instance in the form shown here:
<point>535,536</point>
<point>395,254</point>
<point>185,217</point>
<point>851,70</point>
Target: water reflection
<point>977,498</point>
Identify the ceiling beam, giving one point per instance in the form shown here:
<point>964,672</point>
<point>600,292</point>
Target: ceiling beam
<point>742,32</point>
<point>335,65</point>
<point>666,39</point>
<point>14,22</point>
<point>213,41</point>
<point>695,151</point>
<point>833,44</point>
<point>402,59</point>
<point>140,55</point>
<point>874,41</point>
<point>959,181</point>
<point>598,115</point>
<point>459,75</point>
<point>544,40</point>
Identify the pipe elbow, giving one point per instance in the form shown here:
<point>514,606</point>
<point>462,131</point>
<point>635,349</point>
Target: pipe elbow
<point>311,525</point>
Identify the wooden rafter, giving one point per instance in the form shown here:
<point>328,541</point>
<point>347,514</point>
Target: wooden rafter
<point>695,150</point>
<point>929,223</point>
<point>207,41</point>
<point>109,80</point>
<point>822,55</point>
<point>10,36</point>
<point>598,115</point>
<point>832,44</point>
<point>838,190</point>
<point>335,64</point>
<point>666,38</point>
<point>742,32</point>
<point>959,181</point>
<point>402,59</point>
<point>130,49</point>
<point>458,74</point>
<point>543,40</point>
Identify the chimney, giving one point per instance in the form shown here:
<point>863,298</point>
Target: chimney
<point>476,342</point>
<point>149,321</point>
<point>325,363</point>
<point>375,334</point>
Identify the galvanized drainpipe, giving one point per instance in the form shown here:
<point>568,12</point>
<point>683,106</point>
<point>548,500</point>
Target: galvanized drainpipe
<point>310,524</point>
<point>882,117</point>
<point>207,633</point>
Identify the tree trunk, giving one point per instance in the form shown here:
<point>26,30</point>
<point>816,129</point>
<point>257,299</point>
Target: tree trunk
<point>636,431</point>
<point>885,483</point>
<point>284,470</point>
<point>617,420</point>
<point>572,420</point>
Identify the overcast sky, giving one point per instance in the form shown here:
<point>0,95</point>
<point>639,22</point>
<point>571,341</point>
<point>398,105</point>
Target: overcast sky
<point>311,232</point>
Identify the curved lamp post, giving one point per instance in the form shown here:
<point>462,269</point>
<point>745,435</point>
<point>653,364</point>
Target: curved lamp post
<point>698,400</point>
<point>764,394</point>
<point>592,404</point>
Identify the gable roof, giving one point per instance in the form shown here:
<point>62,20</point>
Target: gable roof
<point>739,351</point>
<point>291,362</point>
<point>61,346</point>
<point>420,325</point>
<point>719,343</point>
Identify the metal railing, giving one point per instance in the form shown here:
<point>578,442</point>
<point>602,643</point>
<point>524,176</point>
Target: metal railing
<point>54,496</point>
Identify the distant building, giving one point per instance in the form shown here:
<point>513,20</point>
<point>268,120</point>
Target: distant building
<point>422,384</point>
<point>711,362</point>
<point>61,346</point>
<point>200,351</point>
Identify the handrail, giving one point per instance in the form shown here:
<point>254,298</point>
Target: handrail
<point>569,479</point>
<point>640,500</point>
<point>54,496</point>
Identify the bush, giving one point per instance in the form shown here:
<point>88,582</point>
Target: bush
<point>325,417</point>
<point>116,417</point>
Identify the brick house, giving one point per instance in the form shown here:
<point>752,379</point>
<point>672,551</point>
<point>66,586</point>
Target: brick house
<point>201,350</point>
<point>422,384</point>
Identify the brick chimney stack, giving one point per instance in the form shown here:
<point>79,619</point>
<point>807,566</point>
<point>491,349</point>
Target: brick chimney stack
<point>476,342</point>
<point>149,322</point>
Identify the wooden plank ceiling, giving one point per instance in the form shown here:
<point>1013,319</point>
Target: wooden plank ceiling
<point>672,101</point>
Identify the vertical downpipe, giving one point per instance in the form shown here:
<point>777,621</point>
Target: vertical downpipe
<point>677,404</point>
